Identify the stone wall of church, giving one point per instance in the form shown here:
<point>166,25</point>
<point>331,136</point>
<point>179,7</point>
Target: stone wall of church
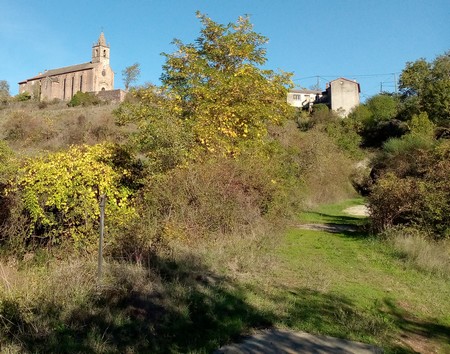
<point>103,78</point>
<point>65,86</point>
<point>112,95</point>
<point>64,83</point>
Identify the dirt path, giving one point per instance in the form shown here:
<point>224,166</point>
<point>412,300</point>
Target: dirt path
<point>276,341</point>
<point>357,210</point>
<point>333,228</point>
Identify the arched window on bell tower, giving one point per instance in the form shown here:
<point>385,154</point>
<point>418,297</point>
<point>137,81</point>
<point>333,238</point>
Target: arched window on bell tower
<point>100,52</point>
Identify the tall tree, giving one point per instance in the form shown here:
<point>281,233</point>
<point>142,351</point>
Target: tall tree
<point>383,107</point>
<point>220,88</point>
<point>426,87</point>
<point>130,74</point>
<point>4,91</point>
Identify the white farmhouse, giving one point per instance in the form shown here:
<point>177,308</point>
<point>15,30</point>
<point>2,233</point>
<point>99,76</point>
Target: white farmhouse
<point>341,95</point>
<point>304,98</point>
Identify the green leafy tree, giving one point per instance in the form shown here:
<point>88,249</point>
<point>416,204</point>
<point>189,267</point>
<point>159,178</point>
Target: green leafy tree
<point>161,135</point>
<point>383,107</point>
<point>130,74</point>
<point>413,77</point>
<point>377,119</point>
<point>218,86</point>
<point>426,87</point>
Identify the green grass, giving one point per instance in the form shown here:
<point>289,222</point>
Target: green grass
<point>356,287</point>
<point>333,214</point>
<point>347,285</point>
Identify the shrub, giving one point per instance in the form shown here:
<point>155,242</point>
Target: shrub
<point>374,135</point>
<point>26,129</point>
<point>393,200</point>
<point>83,99</point>
<point>421,125</point>
<point>416,192</point>
<point>407,156</point>
<point>7,163</point>
<point>383,107</point>
<point>60,194</point>
<point>320,107</point>
<point>325,170</point>
<point>24,96</point>
<point>216,198</point>
<point>8,169</point>
<point>346,137</point>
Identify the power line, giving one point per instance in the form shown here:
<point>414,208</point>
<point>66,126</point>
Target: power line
<point>358,75</point>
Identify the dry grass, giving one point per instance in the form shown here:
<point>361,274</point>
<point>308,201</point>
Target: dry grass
<point>29,129</point>
<point>55,281</point>
<point>421,251</point>
<point>327,171</point>
<point>324,170</point>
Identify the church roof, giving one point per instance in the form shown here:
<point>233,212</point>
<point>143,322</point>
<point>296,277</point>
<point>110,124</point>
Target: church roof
<point>102,40</point>
<point>59,71</point>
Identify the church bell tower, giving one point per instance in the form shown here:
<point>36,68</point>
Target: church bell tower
<point>100,51</point>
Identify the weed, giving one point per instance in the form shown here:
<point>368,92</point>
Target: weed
<point>420,250</point>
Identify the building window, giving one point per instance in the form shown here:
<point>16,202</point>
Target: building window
<point>104,53</point>
<point>73,81</point>
<point>64,90</point>
<point>297,97</point>
<point>81,83</point>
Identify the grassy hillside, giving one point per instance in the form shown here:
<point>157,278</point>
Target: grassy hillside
<point>347,285</point>
<point>30,127</point>
<point>211,256</point>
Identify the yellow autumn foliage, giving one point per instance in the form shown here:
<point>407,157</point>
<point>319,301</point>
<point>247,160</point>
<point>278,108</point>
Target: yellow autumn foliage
<point>60,193</point>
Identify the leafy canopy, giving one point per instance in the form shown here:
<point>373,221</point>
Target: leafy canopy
<point>218,86</point>
<point>427,87</point>
<point>130,74</point>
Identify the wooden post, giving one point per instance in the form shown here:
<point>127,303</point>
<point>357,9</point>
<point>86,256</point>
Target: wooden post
<point>102,231</point>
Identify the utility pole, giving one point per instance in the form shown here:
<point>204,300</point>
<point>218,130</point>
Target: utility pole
<point>395,83</point>
<point>100,242</point>
<point>381,86</point>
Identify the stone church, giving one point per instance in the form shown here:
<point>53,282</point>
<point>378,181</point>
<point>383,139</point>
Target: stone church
<point>63,83</point>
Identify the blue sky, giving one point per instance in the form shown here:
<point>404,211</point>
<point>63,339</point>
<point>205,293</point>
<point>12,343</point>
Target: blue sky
<point>366,40</point>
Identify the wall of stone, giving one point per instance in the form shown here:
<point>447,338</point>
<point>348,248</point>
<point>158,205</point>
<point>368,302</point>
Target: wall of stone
<point>111,95</point>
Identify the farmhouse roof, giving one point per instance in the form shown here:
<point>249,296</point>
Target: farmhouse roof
<point>59,71</point>
<point>306,91</point>
<point>352,81</point>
